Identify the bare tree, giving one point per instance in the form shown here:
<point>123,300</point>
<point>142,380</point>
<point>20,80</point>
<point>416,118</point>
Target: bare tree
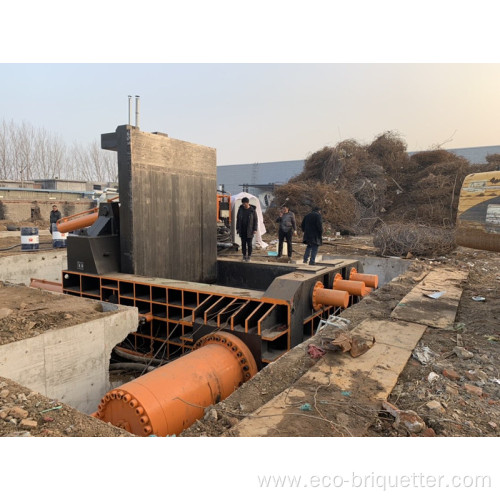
<point>5,151</point>
<point>28,153</point>
<point>50,155</point>
<point>24,151</point>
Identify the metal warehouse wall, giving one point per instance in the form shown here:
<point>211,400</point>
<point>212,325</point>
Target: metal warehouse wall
<point>167,205</point>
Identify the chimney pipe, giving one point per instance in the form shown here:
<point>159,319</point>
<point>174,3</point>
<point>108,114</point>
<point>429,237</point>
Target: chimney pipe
<point>137,111</point>
<point>130,110</point>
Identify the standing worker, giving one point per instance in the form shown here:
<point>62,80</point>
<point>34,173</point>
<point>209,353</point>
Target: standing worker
<point>312,226</point>
<point>55,215</point>
<point>246,227</point>
<point>287,226</point>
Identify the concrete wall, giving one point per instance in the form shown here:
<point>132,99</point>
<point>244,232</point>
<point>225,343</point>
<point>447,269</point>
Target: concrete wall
<point>167,205</point>
<point>42,265</point>
<point>385,268</point>
<point>18,210</point>
<point>70,365</point>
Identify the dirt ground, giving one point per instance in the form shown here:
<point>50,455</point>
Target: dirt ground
<point>24,413</point>
<point>456,393</point>
<point>26,312</point>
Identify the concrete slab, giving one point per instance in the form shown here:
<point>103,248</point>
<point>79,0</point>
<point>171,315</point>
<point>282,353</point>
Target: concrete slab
<point>440,312</point>
<point>368,379</point>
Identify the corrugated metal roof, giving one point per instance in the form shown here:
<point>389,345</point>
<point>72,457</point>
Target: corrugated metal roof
<point>233,177</point>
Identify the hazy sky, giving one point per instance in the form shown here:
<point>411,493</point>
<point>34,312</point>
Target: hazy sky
<point>267,81</point>
<point>261,112</point>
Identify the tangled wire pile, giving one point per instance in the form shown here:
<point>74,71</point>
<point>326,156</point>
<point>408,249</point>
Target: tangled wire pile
<point>420,241</point>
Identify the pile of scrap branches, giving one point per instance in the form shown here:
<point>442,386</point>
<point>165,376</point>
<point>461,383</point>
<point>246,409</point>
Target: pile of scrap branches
<point>406,240</point>
<point>360,188</point>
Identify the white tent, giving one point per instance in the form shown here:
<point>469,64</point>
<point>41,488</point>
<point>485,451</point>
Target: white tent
<point>261,229</point>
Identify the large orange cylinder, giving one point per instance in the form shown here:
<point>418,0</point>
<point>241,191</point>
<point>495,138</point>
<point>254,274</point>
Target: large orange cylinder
<point>357,288</point>
<point>370,280</point>
<point>169,399</point>
<point>322,297</point>
<point>77,221</point>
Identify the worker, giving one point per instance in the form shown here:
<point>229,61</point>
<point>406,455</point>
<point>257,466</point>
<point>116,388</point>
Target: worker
<point>287,227</point>
<point>246,227</point>
<point>312,226</point>
<point>55,215</point>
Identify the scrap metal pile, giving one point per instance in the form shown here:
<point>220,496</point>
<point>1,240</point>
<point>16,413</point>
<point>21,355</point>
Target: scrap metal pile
<point>360,188</point>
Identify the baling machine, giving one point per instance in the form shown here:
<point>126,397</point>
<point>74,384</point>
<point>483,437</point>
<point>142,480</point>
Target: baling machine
<point>213,322</point>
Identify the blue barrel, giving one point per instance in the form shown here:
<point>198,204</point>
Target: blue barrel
<point>29,239</point>
<point>58,239</point>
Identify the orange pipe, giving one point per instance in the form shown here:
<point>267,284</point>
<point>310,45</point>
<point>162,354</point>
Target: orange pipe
<point>324,297</point>
<point>77,221</point>
<point>170,398</point>
<point>370,280</point>
<point>357,288</point>
<point>51,286</point>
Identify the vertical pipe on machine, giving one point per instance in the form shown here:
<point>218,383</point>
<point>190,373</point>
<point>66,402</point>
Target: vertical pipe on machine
<point>137,111</point>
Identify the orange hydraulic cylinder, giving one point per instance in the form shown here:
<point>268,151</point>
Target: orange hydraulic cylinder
<point>324,297</point>
<point>357,288</point>
<point>370,280</point>
<point>170,398</point>
<point>77,221</point>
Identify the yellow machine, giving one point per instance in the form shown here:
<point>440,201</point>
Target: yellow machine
<point>478,218</point>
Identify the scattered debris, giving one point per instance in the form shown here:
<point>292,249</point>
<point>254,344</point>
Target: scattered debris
<point>463,353</point>
<point>473,389</point>
<point>346,342</point>
<point>435,295</point>
<point>451,374</point>
<point>315,352</point>
<point>211,415</point>
<point>342,342</point>
<point>52,409</point>
<point>478,298</point>
<point>435,406</point>
<point>408,419</point>
<point>306,407</point>
<point>423,354</point>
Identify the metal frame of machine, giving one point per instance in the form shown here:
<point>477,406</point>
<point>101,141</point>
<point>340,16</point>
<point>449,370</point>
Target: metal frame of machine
<point>175,315</point>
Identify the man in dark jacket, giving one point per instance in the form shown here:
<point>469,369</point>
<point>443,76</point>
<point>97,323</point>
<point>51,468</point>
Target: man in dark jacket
<point>312,225</point>
<point>287,228</point>
<point>55,215</point>
<point>246,227</point>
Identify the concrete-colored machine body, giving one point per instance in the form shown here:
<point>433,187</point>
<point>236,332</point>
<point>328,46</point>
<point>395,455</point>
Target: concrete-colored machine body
<point>168,225</point>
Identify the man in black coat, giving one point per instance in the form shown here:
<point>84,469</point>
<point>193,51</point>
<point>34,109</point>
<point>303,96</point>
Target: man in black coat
<point>312,225</point>
<point>246,227</point>
<point>55,215</point>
